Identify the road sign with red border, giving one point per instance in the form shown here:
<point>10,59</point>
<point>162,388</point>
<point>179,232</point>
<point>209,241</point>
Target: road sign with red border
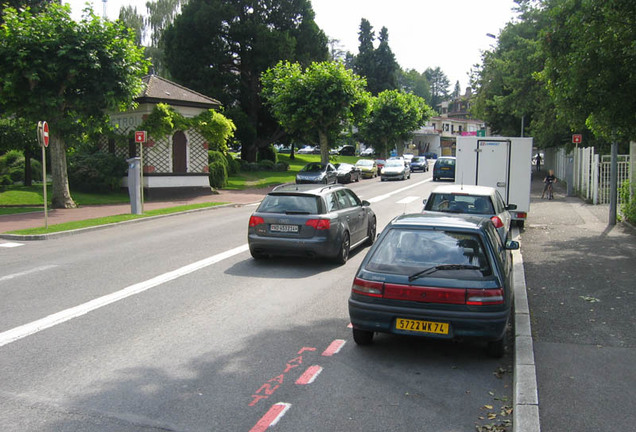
<point>577,138</point>
<point>140,136</point>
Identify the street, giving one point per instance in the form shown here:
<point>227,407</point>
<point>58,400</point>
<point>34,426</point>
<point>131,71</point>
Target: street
<point>171,325</point>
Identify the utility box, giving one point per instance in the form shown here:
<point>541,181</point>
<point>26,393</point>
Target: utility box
<point>504,163</point>
<point>134,184</point>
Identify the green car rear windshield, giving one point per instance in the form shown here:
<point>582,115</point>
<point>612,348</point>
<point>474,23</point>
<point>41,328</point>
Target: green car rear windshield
<point>406,251</point>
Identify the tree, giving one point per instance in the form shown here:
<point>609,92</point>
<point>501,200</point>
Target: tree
<point>378,66</point>
<point>590,62</point>
<point>221,47</point>
<point>393,117</point>
<point>68,74</point>
<point>411,81</point>
<point>387,68</point>
<point>439,85</point>
<point>320,100</point>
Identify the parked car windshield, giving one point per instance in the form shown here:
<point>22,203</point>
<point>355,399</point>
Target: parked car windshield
<point>290,204</point>
<point>394,163</point>
<point>313,167</point>
<point>405,251</point>
<point>472,204</point>
<point>364,162</point>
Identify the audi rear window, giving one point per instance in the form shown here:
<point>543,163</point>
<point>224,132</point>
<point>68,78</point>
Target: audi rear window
<point>290,204</point>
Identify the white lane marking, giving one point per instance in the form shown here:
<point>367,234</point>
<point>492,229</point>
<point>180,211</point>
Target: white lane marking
<point>24,273</point>
<point>11,244</point>
<point>385,196</point>
<point>408,200</point>
<point>74,312</point>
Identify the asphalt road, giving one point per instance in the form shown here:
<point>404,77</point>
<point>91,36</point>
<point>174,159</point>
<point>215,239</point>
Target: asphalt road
<point>171,325</point>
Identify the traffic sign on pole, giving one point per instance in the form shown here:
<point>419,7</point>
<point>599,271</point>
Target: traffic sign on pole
<point>140,136</point>
<point>577,138</point>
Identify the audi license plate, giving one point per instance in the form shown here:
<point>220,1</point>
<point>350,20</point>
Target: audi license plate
<point>421,326</point>
<point>284,228</point>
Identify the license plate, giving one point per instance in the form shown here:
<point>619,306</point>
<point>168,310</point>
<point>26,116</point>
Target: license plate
<point>421,326</point>
<point>284,228</point>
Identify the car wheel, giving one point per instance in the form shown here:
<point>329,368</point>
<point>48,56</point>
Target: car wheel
<point>343,253</point>
<point>497,348</point>
<point>520,223</point>
<point>326,181</point>
<point>362,337</point>
<point>257,255</point>
<point>371,233</point>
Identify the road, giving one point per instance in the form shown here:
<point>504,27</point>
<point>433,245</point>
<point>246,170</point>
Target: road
<point>171,325</point>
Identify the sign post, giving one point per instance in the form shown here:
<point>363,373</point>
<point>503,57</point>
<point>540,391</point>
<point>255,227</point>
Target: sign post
<point>140,137</point>
<point>577,138</point>
<point>43,140</point>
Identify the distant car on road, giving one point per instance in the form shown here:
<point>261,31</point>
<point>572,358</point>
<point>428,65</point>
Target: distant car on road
<point>312,221</point>
<point>306,150</point>
<point>367,152</point>
<point>395,169</point>
<point>435,276</point>
<point>472,200</point>
<point>315,172</point>
<point>368,168</point>
<point>347,150</point>
<point>444,168</point>
<point>419,163</point>
<point>347,173</point>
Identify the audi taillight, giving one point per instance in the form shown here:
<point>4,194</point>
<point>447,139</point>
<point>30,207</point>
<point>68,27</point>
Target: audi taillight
<point>497,222</point>
<point>484,297</point>
<point>256,220</point>
<point>368,288</point>
<point>319,224</point>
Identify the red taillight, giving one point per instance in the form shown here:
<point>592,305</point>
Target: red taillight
<point>425,294</point>
<point>497,222</point>
<point>368,288</point>
<point>483,297</point>
<point>522,215</point>
<point>319,224</point>
<point>256,220</point>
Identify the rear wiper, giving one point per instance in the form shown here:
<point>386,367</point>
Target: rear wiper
<point>442,267</point>
<point>297,212</point>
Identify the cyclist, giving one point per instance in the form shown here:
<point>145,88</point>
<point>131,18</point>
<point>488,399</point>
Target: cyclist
<point>549,180</point>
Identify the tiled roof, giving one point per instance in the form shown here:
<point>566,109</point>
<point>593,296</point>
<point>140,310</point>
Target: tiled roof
<point>162,90</point>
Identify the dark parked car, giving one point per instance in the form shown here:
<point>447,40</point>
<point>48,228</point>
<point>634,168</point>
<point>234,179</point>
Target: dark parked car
<point>430,155</point>
<point>347,150</point>
<point>436,276</point>
<point>315,172</point>
<point>419,163</point>
<point>321,221</point>
<point>347,173</point>
<point>444,168</point>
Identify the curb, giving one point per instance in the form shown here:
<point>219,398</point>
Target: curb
<point>61,234</point>
<point>525,393</point>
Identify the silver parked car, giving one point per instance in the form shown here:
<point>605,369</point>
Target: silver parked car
<point>311,220</point>
<point>396,169</point>
<point>472,200</point>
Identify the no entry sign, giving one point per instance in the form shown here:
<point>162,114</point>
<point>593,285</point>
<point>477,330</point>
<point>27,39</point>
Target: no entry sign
<point>140,136</point>
<point>43,133</point>
<point>577,138</point>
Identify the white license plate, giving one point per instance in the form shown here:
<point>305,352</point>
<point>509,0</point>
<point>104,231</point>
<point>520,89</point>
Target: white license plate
<point>284,228</point>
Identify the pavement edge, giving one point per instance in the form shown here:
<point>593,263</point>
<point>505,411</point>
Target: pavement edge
<point>525,393</point>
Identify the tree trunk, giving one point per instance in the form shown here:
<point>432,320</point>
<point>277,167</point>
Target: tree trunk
<point>61,193</point>
<point>28,178</point>
<point>324,147</point>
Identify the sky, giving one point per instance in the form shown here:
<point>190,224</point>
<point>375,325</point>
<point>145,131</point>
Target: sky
<point>449,34</point>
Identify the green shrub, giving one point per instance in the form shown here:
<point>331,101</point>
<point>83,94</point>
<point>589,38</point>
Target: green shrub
<point>266,165</point>
<point>628,202</point>
<point>267,153</point>
<point>281,166</point>
<point>95,171</point>
<point>218,174</point>
<point>12,166</point>
<point>217,156</point>
<point>233,165</point>
<point>253,166</point>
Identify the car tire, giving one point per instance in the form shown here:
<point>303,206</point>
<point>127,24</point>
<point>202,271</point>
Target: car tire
<point>362,337</point>
<point>496,349</point>
<point>371,232</point>
<point>343,253</point>
<point>257,255</point>
<point>520,223</point>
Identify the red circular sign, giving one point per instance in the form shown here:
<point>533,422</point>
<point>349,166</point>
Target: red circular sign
<point>45,134</point>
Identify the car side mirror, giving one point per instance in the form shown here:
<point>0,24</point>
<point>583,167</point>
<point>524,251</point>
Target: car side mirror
<point>512,245</point>
<point>365,203</point>
<point>424,201</point>
<point>511,207</point>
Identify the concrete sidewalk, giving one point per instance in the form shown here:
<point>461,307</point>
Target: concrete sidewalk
<point>579,275</point>
<point>57,216</point>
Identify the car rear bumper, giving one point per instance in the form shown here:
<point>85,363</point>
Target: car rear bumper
<point>316,246</point>
<point>489,325</point>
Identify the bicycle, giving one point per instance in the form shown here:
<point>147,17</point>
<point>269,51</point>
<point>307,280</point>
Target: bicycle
<point>550,190</point>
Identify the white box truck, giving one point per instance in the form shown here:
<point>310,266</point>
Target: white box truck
<point>500,162</point>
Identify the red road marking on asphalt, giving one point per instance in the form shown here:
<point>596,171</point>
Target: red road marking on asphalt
<point>333,348</point>
<point>303,349</point>
<point>309,375</point>
<point>271,417</point>
<point>350,325</point>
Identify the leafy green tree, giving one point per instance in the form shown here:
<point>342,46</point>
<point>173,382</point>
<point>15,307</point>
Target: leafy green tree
<point>320,100</point>
<point>590,49</point>
<point>439,85</point>
<point>67,73</point>
<point>377,65</point>
<point>393,117</point>
<point>129,16</point>
<point>387,68</point>
<point>411,81</point>
<point>221,47</point>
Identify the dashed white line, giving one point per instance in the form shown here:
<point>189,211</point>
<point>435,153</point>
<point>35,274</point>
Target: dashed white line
<point>408,200</point>
<point>27,272</point>
<point>11,244</point>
